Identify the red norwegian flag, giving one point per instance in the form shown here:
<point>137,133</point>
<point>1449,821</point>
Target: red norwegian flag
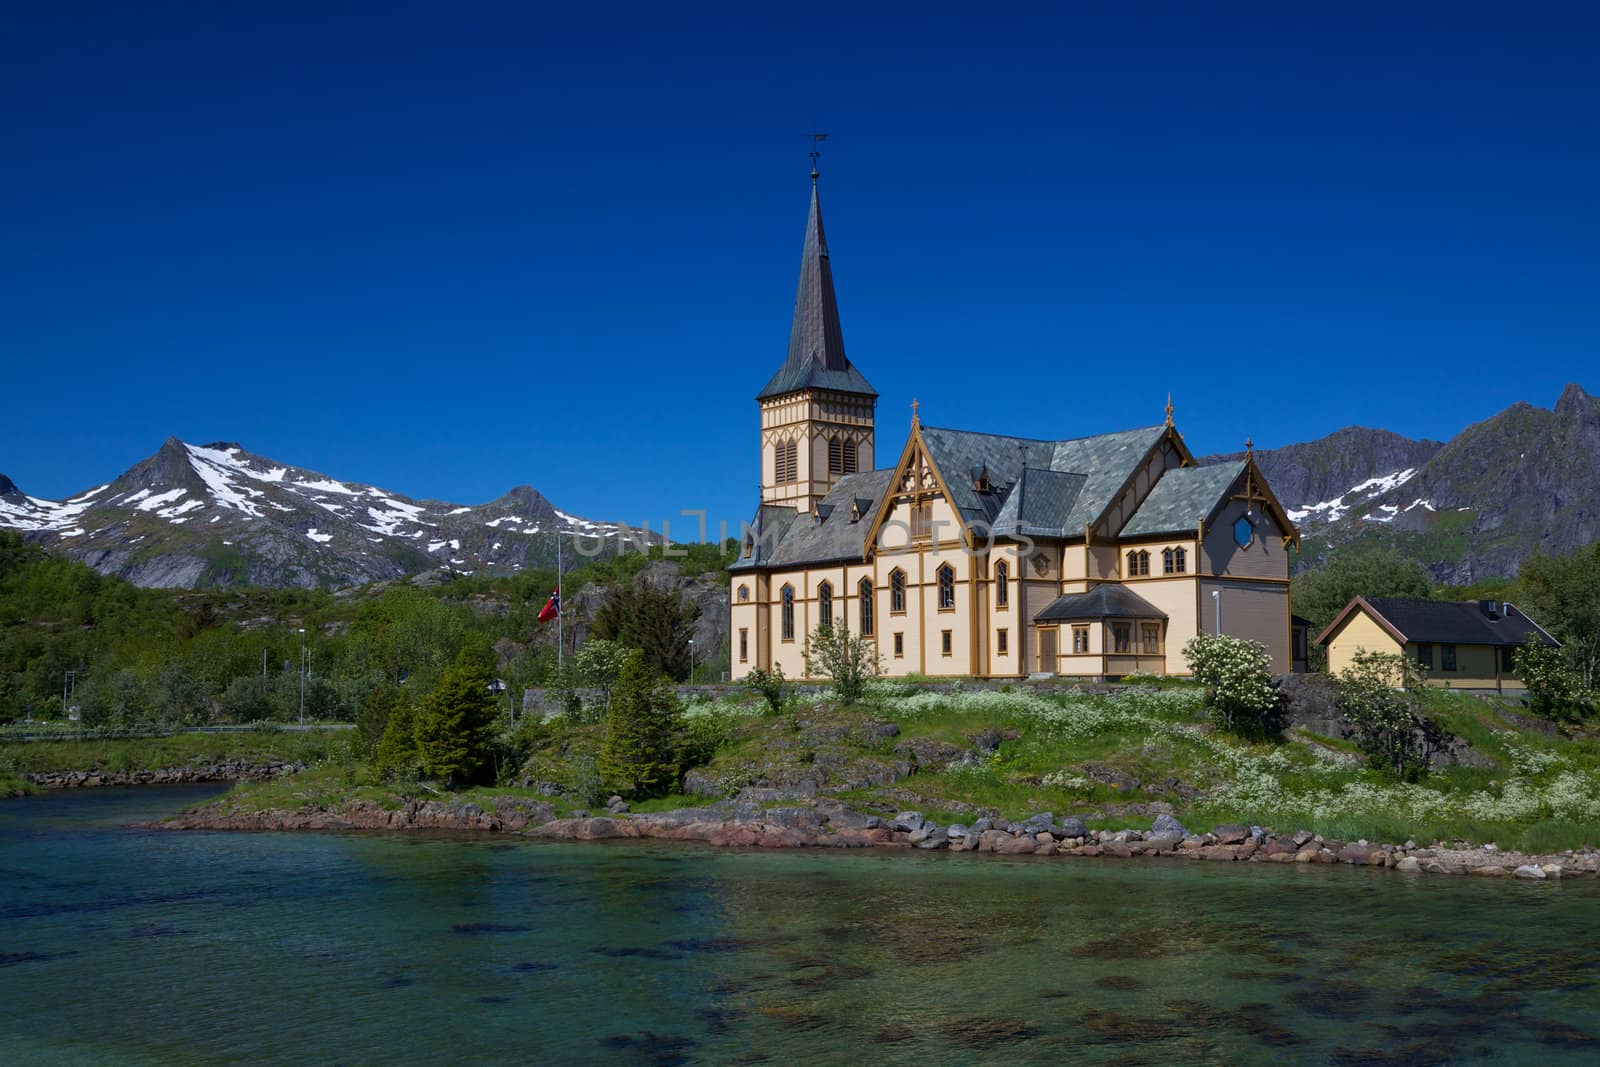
<point>552,607</point>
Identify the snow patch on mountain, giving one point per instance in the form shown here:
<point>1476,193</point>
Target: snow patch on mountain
<point>1335,509</point>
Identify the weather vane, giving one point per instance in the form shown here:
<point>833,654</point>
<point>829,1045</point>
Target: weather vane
<point>816,139</point>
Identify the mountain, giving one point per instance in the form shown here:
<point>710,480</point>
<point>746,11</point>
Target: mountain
<point>207,515</point>
<point>1468,509</point>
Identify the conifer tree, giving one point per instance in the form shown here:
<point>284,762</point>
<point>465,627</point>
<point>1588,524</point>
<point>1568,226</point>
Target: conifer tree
<point>640,752</point>
<point>455,729</point>
<point>397,749</point>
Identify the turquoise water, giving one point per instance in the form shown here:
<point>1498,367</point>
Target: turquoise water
<point>124,946</point>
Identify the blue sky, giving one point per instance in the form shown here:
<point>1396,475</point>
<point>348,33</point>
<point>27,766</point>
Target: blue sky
<point>448,251</point>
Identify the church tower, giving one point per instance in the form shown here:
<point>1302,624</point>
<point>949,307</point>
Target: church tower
<point>817,411</point>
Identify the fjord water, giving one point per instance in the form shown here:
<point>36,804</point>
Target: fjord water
<point>130,946</point>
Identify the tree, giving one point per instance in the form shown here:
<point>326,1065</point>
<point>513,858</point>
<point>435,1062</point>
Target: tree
<point>455,729</point>
<point>1237,675</point>
<point>397,748</point>
<point>598,663</point>
<point>658,622</point>
<point>1563,593</point>
<point>1554,688</point>
<point>372,721</point>
<point>1321,594</point>
<point>771,685</point>
<point>850,661</point>
<point>640,754</point>
<point>1380,697</point>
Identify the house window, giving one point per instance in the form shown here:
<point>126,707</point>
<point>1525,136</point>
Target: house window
<point>744,645</point>
<point>1244,531</point>
<point>897,592</point>
<point>744,593</point>
<point>944,642</point>
<point>788,613</point>
<point>825,604</point>
<point>835,455</point>
<point>1447,657</point>
<point>849,457</point>
<point>899,645</point>
<point>1080,640</point>
<point>1002,585</point>
<point>922,520</point>
<point>1150,633</point>
<point>1180,560</point>
<point>1173,561</point>
<point>864,594</point>
<point>947,588</point>
<point>1122,637</point>
<point>1138,563</point>
<point>1425,657</point>
<point>1002,642</point>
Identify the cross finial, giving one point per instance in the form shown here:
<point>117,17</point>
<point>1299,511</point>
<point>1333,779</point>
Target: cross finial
<point>1169,408</point>
<point>1249,448</point>
<point>816,139</point>
<point>914,417</point>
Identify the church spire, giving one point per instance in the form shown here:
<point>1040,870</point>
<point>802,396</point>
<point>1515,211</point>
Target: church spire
<point>816,356</point>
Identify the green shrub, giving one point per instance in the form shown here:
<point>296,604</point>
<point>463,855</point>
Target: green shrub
<point>1237,675</point>
<point>1380,697</point>
<point>770,685</point>
<point>848,660</point>
<point>1554,689</point>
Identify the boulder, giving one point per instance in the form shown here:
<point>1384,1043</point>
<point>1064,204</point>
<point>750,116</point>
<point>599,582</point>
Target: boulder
<point>1358,854</point>
<point>1231,834</point>
<point>908,821</point>
<point>1041,821</point>
<point>1070,826</point>
<point>1410,864</point>
<point>937,839</point>
<point>1530,871</point>
<point>1167,824</point>
<point>1015,846</point>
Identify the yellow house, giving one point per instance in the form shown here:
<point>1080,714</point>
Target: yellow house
<point>1462,645</point>
<point>986,555</point>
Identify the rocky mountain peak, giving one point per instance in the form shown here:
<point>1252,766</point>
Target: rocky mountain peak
<point>8,487</point>
<point>1574,403</point>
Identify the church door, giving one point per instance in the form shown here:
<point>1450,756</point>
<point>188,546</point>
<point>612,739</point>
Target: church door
<point>1047,650</point>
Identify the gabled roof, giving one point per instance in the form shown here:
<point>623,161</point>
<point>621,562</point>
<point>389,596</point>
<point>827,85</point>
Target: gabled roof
<point>816,358</point>
<point>1443,622</point>
<point>829,535</point>
<point>1066,484</point>
<point>1183,497</point>
<point>1110,601</point>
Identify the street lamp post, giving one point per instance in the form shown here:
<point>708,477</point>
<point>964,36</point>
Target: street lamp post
<point>1216,601</point>
<point>302,676</point>
<point>691,661</point>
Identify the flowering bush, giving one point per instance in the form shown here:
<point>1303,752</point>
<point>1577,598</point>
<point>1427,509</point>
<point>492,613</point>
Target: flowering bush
<point>1554,689</point>
<point>1237,675</point>
<point>1380,697</point>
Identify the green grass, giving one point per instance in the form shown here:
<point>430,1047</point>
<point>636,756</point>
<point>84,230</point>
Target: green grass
<point>176,750</point>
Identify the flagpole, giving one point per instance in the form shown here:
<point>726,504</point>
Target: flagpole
<point>560,640</point>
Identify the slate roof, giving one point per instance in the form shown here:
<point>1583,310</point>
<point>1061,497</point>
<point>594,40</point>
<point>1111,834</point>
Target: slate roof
<point>1053,506</point>
<point>816,356</point>
<point>1444,622</point>
<point>828,536</point>
<point>1110,601</point>
<point>1181,498</point>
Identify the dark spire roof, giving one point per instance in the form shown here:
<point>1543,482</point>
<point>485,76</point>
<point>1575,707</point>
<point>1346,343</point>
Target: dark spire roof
<point>816,356</point>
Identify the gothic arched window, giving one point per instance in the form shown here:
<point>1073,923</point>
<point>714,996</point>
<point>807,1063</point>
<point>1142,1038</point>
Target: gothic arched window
<point>897,591</point>
<point>788,613</point>
<point>947,587</point>
<point>1002,585</point>
<point>864,615</point>
<point>825,604</point>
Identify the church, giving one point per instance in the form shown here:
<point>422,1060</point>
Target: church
<point>982,555</point>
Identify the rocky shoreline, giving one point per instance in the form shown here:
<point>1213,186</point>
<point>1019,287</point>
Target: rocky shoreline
<point>746,823</point>
<point>221,771</point>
